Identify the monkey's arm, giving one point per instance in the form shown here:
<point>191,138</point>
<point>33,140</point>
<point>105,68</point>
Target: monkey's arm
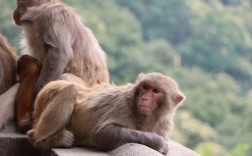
<point>58,54</point>
<point>112,136</point>
<point>53,66</point>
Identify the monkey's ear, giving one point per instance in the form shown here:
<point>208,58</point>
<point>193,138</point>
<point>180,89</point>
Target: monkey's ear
<point>140,77</point>
<point>178,98</point>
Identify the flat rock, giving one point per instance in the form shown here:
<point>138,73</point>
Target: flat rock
<point>14,144</point>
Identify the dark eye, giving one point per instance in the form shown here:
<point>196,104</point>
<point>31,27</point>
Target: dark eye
<point>156,91</point>
<point>145,86</point>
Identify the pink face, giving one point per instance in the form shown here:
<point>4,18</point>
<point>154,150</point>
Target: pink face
<point>148,98</point>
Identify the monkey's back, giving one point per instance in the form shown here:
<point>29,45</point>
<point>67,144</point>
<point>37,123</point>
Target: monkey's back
<point>58,26</point>
<point>99,107</point>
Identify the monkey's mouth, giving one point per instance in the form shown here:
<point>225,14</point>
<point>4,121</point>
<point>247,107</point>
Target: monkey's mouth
<point>143,109</point>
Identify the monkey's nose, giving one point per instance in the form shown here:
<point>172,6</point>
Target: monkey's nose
<point>144,99</point>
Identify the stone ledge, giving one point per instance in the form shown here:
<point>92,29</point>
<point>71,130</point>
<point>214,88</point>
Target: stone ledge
<point>13,144</point>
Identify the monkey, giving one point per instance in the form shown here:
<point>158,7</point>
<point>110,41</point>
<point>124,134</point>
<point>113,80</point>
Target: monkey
<point>28,69</point>
<point>8,58</point>
<point>7,123</point>
<point>106,116</point>
<point>55,35</point>
<point>74,79</point>
<point>8,87</point>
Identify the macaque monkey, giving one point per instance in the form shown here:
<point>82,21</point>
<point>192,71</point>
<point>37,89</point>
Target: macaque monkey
<point>28,69</point>
<point>55,35</point>
<point>74,79</point>
<point>106,116</point>
<point>8,88</point>
<point>8,59</point>
<point>7,100</point>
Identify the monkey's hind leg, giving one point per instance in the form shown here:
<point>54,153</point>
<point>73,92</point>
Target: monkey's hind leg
<point>63,138</point>
<point>49,131</point>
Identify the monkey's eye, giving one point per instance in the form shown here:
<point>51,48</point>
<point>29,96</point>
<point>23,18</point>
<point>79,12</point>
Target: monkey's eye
<point>145,87</point>
<point>156,91</point>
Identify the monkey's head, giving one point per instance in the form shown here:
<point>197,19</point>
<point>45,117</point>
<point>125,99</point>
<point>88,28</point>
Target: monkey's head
<point>27,65</point>
<point>156,93</point>
<point>23,5</point>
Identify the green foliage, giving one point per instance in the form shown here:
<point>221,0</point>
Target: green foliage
<point>7,27</point>
<point>194,134</point>
<point>210,149</point>
<point>162,19</point>
<point>240,149</point>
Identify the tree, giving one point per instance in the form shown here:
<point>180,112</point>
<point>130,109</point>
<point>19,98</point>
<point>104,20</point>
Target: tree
<point>162,19</point>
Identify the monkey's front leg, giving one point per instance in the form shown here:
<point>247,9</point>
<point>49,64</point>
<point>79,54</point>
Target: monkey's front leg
<point>112,136</point>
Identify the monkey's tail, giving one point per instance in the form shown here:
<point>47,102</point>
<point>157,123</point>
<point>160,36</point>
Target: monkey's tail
<point>58,109</point>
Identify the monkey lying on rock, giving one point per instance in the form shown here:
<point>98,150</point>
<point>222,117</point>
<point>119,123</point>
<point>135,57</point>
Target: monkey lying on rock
<point>106,116</point>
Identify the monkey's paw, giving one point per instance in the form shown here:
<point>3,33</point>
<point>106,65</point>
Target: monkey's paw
<point>67,139</point>
<point>164,148</point>
<point>30,134</point>
<point>60,139</point>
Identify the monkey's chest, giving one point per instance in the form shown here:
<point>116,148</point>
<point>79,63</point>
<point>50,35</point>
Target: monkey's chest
<point>147,126</point>
<point>36,43</point>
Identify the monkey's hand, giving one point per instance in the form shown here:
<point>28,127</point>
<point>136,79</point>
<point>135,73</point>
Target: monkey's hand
<point>158,143</point>
<point>164,147</point>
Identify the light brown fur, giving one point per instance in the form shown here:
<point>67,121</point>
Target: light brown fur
<point>55,35</point>
<point>7,101</point>
<point>104,116</point>
<point>8,59</point>
<point>8,90</point>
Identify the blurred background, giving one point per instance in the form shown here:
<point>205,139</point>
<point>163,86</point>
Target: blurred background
<point>206,45</point>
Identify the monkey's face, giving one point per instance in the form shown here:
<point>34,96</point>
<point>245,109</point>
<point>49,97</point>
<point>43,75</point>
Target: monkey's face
<point>149,97</point>
<point>157,93</point>
<point>22,6</point>
<point>26,65</point>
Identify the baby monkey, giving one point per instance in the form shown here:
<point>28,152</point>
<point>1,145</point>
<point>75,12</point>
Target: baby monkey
<point>28,69</point>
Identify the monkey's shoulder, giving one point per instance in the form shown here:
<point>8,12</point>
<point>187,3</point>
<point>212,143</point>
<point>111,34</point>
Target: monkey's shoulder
<point>51,13</point>
<point>105,95</point>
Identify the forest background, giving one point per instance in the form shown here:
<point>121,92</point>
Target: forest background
<point>206,45</point>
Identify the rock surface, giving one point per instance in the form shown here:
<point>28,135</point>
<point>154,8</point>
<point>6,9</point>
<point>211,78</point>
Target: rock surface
<point>13,144</point>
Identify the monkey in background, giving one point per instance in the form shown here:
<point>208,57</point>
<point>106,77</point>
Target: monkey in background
<point>28,69</point>
<point>8,88</point>
<point>8,58</point>
<point>106,116</point>
<point>7,105</point>
<point>55,35</point>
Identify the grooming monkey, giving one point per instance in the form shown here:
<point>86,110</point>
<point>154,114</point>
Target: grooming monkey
<point>55,35</point>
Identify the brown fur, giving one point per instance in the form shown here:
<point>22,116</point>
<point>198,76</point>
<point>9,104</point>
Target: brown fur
<point>8,90</point>
<point>8,59</point>
<point>104,116</point>
<point>28,69</point>
<point>55,35</point>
